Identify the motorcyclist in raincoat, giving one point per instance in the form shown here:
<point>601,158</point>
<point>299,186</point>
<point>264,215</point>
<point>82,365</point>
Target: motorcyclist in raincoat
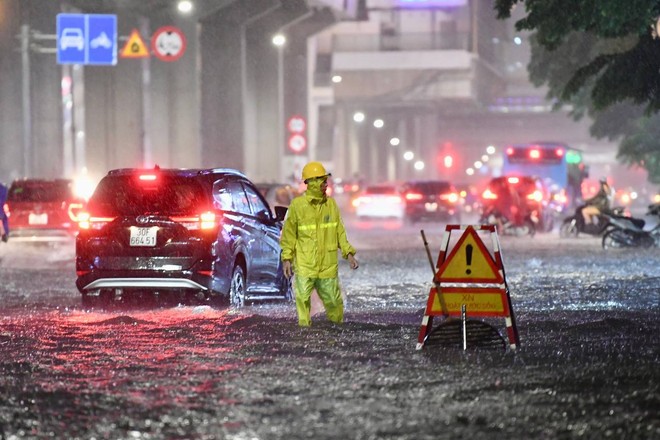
<point>599,203</point>
<point>313,231</point>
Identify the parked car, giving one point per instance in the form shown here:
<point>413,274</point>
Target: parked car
<point>380,201</point>
<point>203,233</point>
<point>532,192</point>
<point>277,194</point>
<point>431,200</point>
<point>43,210</point>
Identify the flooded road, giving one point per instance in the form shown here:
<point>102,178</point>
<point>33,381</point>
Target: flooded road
<point>587,366</point>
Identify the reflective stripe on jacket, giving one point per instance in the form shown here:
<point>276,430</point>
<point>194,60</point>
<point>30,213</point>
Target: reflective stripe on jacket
<point>313,231</point>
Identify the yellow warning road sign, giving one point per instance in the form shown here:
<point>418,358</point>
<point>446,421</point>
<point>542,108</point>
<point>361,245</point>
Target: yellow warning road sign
<point>134,47</point>
<point>478,301</point>
<point>469,262</point>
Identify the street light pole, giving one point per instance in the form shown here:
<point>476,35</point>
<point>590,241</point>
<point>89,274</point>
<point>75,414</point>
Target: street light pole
<point>27,100</point>
<point>279,40</point>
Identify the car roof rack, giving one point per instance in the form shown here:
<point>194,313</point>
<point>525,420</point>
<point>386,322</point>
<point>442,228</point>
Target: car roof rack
<point>222,171</point>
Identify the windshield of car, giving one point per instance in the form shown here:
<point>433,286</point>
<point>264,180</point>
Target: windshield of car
<point>40,192</point>
<point>166,195</point>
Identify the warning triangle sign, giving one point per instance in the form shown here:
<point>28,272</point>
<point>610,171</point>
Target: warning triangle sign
<point>469,262</point>
<point>134,47</point>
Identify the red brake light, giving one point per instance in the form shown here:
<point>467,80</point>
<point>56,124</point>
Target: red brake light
<point>509,151</point>
<point>207,220</point>
<point>513,180</point>
<point>537,196</point>
<point>86,221</point>
<point>147,177</point>
<point>204,221</point>
<point>535,154</point>
<point>489,195</point>
<point>413,196</point>
<point>451,197</point>
<point>559,152</point>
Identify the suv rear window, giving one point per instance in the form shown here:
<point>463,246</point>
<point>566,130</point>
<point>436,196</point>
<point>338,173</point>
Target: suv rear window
<point>380,190</point>
<point>128,195</point>
<point>41,191</point>
<point>432,187</point>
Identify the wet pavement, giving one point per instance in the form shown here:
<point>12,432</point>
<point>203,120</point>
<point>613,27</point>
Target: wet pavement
<point>587,367</point>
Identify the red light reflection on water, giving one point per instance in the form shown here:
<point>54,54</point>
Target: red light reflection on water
<point>168,355</point>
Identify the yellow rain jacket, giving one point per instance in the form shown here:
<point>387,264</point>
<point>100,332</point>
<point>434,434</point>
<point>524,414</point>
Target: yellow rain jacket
<point>312,233</point>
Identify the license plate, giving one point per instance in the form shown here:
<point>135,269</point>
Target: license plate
<point>143,236</point>
<point>431,207</point>
<point>38,219</point>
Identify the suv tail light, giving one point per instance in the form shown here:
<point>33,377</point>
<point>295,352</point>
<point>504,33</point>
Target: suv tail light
<point>413,196</point>
<point>86,221</point>
<point>451,197</point>
<point>205,221</point>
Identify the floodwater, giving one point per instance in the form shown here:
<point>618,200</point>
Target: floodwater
<point>587,364</point>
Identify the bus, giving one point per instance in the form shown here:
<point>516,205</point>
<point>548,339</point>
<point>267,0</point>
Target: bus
<point>560,166</point>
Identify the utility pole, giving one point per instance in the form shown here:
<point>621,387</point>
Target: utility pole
<point>26,100</point>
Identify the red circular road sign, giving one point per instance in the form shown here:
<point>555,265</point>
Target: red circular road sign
<point>296,124</point>
<point>297,143</point>
<point>168,43</point>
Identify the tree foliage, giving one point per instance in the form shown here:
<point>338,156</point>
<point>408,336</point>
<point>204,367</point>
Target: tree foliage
<point>601,57</point>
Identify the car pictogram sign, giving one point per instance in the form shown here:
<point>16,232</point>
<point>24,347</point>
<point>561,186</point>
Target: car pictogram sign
<point>135,47</point>
<point>469,262</point>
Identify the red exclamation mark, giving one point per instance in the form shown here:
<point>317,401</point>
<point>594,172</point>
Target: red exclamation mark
<point>468,258</point>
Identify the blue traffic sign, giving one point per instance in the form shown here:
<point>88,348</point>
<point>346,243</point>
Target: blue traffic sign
<point>102,33</point>
<point>87,39</point>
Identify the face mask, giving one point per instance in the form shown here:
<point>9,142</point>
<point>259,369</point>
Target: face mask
<point>314,188</point>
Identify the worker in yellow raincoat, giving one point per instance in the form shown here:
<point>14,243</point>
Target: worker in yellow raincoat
<point>313,231</point>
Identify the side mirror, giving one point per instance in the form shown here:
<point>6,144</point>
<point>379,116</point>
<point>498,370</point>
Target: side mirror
<point>280,213</point>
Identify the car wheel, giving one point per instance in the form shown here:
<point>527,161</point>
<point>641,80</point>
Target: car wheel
<point>87,300</point>
<point>237,289</point>
<point>287,290</point>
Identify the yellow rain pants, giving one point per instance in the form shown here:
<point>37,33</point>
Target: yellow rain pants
<point>329,292</point>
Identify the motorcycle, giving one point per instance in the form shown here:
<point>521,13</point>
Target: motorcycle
<point>631,232</point>
<point>520,228</point>
<point>574,225</point>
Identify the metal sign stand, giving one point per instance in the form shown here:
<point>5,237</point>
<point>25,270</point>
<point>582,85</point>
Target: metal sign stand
<point>468,277</point>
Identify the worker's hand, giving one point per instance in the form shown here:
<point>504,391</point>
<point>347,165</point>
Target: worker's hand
<point>352,261</point>
<point>286,267</point>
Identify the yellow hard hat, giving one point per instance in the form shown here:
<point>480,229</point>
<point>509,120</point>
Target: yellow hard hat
<point>312,170</point>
